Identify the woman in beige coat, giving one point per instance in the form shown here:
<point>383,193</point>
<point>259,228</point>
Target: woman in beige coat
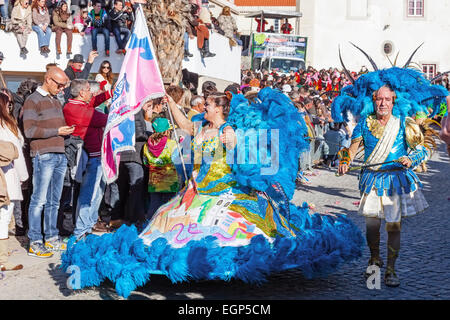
<point>228,25</point>
<point>13,173</point>
<point>21,20</point>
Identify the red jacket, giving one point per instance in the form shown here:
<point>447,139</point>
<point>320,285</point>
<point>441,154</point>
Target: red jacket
<point>89,123</point>
<point>286,28</point>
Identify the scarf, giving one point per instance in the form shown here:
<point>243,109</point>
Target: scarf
<point>158,148</point>
<point>75,70</point>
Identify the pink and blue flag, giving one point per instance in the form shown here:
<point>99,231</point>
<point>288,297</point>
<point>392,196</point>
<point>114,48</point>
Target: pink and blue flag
<point>139,80</point>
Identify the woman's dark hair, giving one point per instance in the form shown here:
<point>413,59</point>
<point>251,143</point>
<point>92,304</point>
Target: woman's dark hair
<point>5,116</point>
<point>26,88</point>
<point>299,104</point>
<point>208,88</point>
<point>246,89</point>
<point>34,5</point>
<point>221,99</point>
<point>157,101</point>
<point>175,92</point>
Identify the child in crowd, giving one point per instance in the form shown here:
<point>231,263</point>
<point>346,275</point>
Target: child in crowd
<point>163,181</point>
<point>82,22</point>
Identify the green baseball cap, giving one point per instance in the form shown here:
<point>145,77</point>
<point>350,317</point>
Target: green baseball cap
<point>161,124</point>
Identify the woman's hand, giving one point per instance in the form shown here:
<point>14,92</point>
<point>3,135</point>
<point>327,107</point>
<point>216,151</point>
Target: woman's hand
<point>228,138</point>
<point>169,100</point>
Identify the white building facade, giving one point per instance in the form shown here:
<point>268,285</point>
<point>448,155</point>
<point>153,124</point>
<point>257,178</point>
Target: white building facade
<point>239,8</point>
<point>382,28</point>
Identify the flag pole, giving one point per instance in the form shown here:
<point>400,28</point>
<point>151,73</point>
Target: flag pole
<point>168,107</point>
<point>178,143</point>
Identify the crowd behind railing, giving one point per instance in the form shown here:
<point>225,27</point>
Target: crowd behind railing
<point>106,17</point>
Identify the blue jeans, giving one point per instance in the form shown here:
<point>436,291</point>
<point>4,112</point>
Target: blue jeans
<point>91,195</point>
<point>43,37</point>
<point>94,33</point>
<point>121,42</point>
<point>4,9</point>
<point>49,170</point>
<point>186,42</point>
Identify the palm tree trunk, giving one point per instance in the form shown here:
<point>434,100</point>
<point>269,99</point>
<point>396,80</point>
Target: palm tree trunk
<point>166,20</point>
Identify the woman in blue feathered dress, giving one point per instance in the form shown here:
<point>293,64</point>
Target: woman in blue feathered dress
<point>234,218</point>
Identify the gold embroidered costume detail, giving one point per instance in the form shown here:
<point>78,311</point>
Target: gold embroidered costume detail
<point>374,126</point>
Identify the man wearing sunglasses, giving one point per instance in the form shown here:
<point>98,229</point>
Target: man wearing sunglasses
<point>45,127</point>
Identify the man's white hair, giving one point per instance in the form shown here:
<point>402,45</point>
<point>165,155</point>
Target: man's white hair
<point>196,100</point>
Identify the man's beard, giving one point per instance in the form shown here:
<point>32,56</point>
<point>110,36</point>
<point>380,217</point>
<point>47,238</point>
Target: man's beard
<point>382,113</point>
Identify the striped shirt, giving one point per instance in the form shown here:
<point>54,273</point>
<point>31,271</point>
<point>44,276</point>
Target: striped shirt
<point>42,117</point>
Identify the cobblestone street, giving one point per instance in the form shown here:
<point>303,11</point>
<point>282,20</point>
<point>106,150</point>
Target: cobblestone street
<point>423,264</point>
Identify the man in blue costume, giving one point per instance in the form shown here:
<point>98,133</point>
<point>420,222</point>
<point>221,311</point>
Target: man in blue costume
<point>389,187</point>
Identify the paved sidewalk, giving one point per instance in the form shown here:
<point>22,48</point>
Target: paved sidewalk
<point>423,264</point>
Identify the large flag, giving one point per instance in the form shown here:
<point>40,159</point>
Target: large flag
<point>139,81</point>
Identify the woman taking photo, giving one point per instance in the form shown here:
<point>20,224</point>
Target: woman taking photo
<point>105,76</point>
<point>13,174</point>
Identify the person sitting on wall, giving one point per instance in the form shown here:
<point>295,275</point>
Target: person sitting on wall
<point>99,23</point>
<point>21,20</point>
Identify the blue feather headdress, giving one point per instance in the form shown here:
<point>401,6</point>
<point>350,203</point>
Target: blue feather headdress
<point>414,93</point>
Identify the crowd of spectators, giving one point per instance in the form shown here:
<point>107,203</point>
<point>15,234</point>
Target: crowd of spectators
<point>107,17</point>
<point>57,126</point>
<point>312,92</point>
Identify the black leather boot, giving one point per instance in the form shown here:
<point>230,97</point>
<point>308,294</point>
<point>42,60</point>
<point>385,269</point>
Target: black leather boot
<point>206,51</point>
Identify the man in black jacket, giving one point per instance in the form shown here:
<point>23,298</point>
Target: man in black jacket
<point>118,16</point>
<point>74,70</point>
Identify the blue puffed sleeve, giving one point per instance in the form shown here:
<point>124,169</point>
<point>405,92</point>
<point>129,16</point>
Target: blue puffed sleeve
<point>418,155</point>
